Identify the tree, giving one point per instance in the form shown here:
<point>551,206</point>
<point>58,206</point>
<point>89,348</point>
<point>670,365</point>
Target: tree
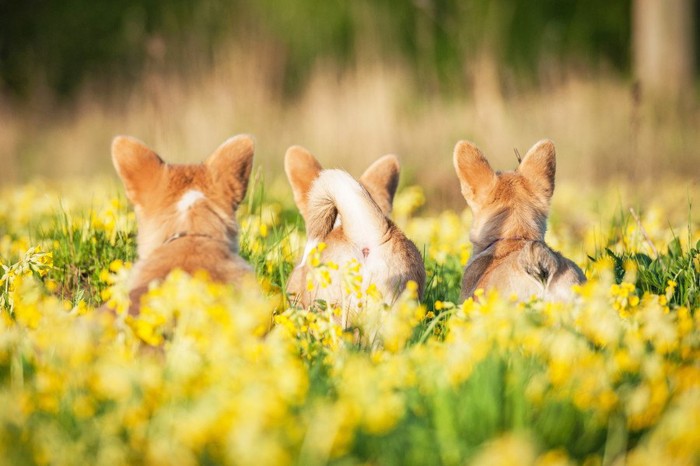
<point>663,48</point>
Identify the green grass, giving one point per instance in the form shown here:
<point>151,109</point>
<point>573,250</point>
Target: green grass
<point>466,382</point>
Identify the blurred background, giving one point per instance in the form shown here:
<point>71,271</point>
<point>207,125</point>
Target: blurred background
<point>612,83</point>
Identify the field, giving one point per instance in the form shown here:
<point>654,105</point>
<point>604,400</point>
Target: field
<point>212,374</point>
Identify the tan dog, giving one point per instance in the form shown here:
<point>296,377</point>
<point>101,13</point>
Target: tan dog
<point>509,222</point>
<point>185,213</point>
<point>350,217</point>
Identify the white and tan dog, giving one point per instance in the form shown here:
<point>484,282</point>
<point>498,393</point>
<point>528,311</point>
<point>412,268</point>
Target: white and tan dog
<point>185,213</point>
<point>350,218</point>
<point>509,222</point>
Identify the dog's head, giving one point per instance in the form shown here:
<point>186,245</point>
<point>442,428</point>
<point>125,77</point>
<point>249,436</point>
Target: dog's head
<point>380,179</point>
<point>170,199</point>
<point>511,204</point>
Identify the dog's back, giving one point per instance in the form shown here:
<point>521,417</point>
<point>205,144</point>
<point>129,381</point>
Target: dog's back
<point>509,222</point>
<point>185,213</point>
<point>522,268</point>
<point>350,219</point>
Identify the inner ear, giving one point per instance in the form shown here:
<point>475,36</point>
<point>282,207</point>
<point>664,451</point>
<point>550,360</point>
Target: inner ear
<point>302,169</point>
<point>230,166</point>
<point>476,178</point>
<point>381,180</point>
<point>539,167</point>
<point>138,167</point>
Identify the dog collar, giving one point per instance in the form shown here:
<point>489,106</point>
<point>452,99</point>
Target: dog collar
<point>515,238</point>
<point>182,234</point>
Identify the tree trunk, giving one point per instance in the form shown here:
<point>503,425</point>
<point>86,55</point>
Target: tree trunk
<point>663,48</point>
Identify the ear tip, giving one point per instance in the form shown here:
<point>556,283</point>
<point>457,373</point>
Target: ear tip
<point>246,138</point>
<point>394,159</point>
<point>463,143</point>
<point>121,140</point>
<point>125,147</point>
<point>289,156</point>
<point>546,144</point>
<point>294,151</point>
<point>465,146</point>
<point>244,141</point>
<point>465,150</point>
<point>391,161</point>
<point>299,156</point>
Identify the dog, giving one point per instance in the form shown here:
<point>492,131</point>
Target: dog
<point>185,213</point>
<point>509,222</point>
<point>351,218</point>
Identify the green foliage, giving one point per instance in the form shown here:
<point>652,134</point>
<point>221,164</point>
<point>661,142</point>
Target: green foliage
<point>57,44</point>
<point>81,253</point>
<point>443,280</point>
<point>673,272</point>
<point>438,38</point>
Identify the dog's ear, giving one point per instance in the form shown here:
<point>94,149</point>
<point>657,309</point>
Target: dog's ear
<point>230,166</point>
<point>381,180</point>
<point>302,169</point>
<point>476,177</point>
<point>138,167</point>
<point>539,167</point>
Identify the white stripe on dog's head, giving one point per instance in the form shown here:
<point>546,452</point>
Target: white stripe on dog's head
<point>188,200</point>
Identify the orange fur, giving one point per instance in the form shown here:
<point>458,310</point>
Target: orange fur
<point>350,217</point>
<point>185,213</point>
<point>509,222</point>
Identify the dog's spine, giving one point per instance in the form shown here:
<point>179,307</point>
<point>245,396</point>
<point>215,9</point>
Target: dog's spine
<point>335,193</point>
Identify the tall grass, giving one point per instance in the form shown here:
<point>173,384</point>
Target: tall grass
<point>351,116</point>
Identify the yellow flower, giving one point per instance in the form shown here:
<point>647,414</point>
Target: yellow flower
<point>407,201</point>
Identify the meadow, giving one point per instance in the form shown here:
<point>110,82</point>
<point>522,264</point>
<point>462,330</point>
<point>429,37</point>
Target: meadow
<point>214,374</point>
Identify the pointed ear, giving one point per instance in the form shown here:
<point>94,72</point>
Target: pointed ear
<point>302,169</point>
<point>381,180</point>
<point>474,172</point>
<point>230,166</point>
<point>138,167</point>
<point>539,167</point>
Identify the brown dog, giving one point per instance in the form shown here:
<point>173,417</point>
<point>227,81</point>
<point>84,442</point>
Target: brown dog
<point>509,222</point>
<point>185,213</point>
<point>350,218</point>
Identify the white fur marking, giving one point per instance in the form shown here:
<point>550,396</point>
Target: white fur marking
<point>310,244</point>
<point>188,200</point>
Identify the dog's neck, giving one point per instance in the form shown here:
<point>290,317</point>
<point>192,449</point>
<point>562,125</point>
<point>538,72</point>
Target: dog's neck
<point>506,224</point>
<point>202,222</point>
<point>500,240</point>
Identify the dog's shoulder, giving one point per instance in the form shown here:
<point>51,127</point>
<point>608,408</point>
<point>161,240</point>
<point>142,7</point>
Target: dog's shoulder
<point>482,268</point>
